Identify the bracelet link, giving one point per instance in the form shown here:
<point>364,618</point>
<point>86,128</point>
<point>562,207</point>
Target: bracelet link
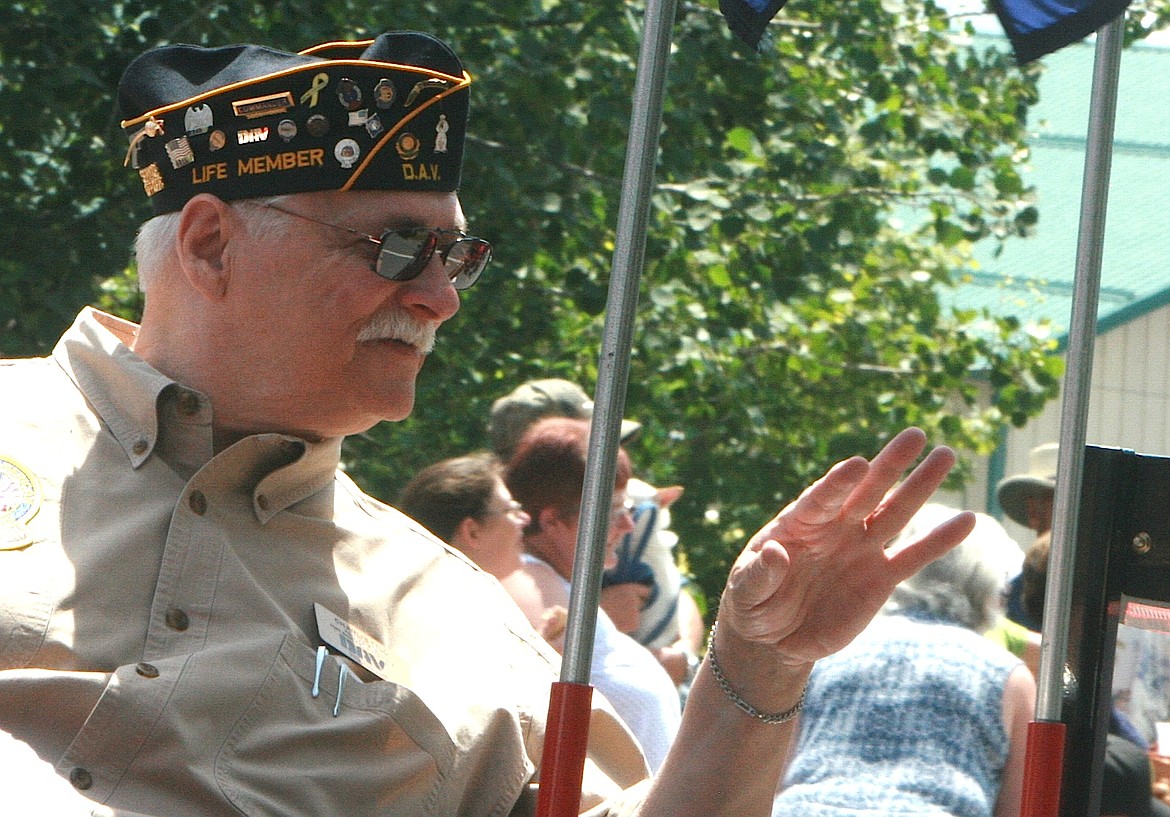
<point>737,699</point>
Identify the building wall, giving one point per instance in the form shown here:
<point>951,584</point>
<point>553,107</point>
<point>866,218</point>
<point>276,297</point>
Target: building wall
<point>1129,406</point>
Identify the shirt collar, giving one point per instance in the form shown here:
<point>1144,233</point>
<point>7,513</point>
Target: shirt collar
<point>122,388</point>
<point>149,414</point>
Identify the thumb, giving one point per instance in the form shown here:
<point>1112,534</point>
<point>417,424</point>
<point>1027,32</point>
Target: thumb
<point>757,574</point>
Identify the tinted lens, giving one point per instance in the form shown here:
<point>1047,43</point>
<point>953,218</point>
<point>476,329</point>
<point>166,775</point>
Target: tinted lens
<point>466,260</point>
<point>405,253</point>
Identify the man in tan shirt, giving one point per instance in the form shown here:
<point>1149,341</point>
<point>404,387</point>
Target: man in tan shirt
<point>201,615</point>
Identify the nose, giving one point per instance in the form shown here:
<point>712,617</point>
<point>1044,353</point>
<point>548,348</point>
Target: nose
<point>430,295</point>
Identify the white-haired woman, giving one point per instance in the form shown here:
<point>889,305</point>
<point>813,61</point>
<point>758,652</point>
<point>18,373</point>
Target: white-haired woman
<point>921,714</point>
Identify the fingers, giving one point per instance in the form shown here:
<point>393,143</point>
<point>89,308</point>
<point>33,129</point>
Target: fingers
<point>908,560</point>
<point>852,490</point>
<point>884,471</point>
<point>822,501</point>
<point>892,514</point>
<point>854,499</point>
<point>552,623</point>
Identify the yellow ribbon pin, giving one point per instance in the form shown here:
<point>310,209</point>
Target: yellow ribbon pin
<point>319,83</point>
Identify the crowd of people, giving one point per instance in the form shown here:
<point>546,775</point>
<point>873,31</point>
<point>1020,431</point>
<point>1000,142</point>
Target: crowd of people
<point>947,668</point>
<point>201,614</point>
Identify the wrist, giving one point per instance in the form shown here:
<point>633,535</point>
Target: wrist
<point>752,679</point>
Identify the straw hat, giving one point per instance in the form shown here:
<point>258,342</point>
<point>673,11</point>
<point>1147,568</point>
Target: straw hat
<point>1039,480</point>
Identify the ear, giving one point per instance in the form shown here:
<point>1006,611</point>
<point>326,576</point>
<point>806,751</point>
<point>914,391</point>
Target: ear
<point>668,496</point>
<point>549,517</point>
<point>467,534</point>
<point>205,227</point>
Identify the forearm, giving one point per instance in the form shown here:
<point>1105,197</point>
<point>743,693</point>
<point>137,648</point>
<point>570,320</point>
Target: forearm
<point>724,761</point>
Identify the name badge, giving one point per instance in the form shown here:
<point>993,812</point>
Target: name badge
<point>358,646</point>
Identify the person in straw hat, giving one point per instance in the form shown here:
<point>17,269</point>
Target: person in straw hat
<point>1027,500</point>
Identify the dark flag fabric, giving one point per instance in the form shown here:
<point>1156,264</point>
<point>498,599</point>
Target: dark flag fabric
<point>747,19</point>
<point>1039,27</point>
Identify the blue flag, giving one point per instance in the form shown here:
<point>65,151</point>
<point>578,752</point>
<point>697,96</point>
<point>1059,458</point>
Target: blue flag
<point>747,19</point>
<point>1039,27</point>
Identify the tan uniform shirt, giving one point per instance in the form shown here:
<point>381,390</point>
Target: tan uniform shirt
<point>158,643</point>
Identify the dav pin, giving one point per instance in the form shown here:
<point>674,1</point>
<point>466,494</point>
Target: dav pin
<point>20,499</point>
<point>349,94</point>
<point>347,152</point>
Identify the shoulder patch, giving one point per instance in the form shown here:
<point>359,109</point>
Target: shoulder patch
<point>20,499</point>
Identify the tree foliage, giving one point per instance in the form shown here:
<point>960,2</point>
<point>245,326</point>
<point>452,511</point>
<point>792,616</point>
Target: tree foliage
<point>810,201</point>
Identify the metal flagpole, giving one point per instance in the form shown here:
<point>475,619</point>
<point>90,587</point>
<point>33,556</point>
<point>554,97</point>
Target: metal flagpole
<point>563,759</point>
<point>1044,759</point>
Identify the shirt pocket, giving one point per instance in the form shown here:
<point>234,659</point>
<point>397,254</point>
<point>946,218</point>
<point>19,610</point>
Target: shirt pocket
<point>33,577</point>
<point>384,753</point>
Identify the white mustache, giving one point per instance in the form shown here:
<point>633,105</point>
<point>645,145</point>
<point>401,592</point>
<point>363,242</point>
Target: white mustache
<point>401,326</point>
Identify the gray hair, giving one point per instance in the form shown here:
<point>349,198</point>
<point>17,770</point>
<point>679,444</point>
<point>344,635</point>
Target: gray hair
<point>964,586</point>
<point>154,246</point>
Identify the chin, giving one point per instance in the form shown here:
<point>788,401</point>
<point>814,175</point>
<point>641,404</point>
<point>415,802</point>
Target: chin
<point>381,408</point>
<point>399,409</point>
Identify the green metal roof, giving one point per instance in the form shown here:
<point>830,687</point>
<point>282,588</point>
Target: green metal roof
<point>1033,278</point>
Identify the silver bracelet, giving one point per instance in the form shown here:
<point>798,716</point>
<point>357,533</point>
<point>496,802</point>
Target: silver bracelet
<point>737,699</point>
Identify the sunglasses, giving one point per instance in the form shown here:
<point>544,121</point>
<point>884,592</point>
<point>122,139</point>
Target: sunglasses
<point>404,254</point>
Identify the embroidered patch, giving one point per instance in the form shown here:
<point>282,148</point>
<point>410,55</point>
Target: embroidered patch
<point>20,499</point>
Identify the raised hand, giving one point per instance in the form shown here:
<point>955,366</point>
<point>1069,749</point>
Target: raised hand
<point>811,579</point>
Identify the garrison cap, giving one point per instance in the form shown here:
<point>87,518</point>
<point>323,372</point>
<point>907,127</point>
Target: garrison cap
<point>245,121</point>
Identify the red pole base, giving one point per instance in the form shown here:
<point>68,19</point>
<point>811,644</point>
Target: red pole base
<point>562,763</point>
<point>1043,769</point>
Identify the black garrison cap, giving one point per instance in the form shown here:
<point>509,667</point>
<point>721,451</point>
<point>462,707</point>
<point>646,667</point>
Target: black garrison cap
<point>244,121</point>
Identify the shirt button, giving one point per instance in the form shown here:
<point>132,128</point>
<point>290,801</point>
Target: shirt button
<point>198,502</point>
<point>177,619</point>
<point>80,778</point>
<point>139,447</point>
<point>147,670</point>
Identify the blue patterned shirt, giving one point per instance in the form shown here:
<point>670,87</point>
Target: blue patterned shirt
<point>906,720</point>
